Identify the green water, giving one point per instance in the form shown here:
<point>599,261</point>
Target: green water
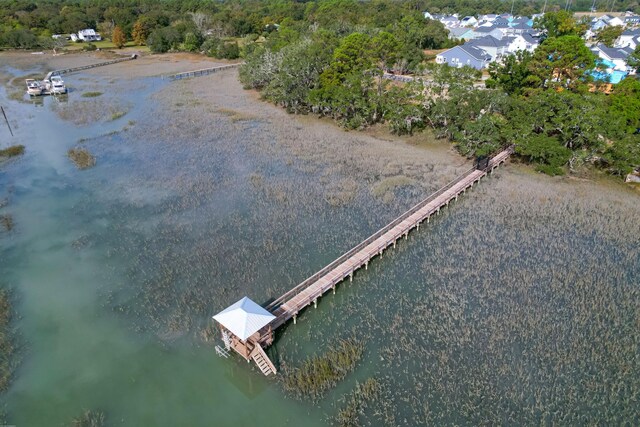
<point>517,306</point>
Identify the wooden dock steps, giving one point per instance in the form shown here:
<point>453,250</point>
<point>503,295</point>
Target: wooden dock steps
<point>262,360</point>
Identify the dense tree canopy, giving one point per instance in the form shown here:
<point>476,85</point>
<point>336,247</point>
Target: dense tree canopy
<point>330,57</point>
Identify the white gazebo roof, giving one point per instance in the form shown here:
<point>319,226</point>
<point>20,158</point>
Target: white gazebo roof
<point>244,318</point>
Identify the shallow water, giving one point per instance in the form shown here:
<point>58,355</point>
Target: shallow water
<point>516,306</point>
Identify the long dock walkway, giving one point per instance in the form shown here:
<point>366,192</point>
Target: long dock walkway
<point>87,67</point>
<point>203,71</point>
<point>306,293</point>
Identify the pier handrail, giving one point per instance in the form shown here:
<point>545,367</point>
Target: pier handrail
<point>292,292</point>
<point>273,305</point>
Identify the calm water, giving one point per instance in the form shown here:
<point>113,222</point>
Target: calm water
<point>117,270</point>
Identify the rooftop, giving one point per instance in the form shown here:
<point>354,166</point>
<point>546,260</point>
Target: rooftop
<point>244,318</point>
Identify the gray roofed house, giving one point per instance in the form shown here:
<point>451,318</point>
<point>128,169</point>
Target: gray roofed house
<point>496,48</point>
<point>616,55</point>
<point>632,20</point>
<point>627,38</point>
<point>461,33</point>
<point>488,31</point>
<point>460,56</point>
<point>450,21</point>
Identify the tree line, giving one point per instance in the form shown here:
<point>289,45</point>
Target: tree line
<point>186,24</point>
<point>546,102</point>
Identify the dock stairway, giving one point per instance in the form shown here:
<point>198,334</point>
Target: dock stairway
<point>262,360</point>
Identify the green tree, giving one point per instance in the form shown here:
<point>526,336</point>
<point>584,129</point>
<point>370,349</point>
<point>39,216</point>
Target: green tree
<point>558,24</point>
<point>608,35</point>
<point>561,62</point>
<point>118,38</point>
<point>633,60</point>
<point>163,39</point>
<point>513,74</point>
<point>625,104</point>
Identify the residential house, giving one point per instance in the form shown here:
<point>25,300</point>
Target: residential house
<point>496,48</point>
<point>632,20</point>
<point>523,41</point>
<point>488,17</point>
<point>616,22</point>
<point>460,56</point>
<point>618,56</point>
<point>627,38</point>
<point>450,21</point>
<point>88,35</point>
<point>488,31</point>
<point>461,33</point>
<point>468,21</point>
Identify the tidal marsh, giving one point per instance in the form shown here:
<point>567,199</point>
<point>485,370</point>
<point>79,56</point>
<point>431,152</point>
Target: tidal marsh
<point>517,305</point>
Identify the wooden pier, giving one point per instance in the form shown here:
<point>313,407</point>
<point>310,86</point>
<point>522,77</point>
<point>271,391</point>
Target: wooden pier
<point>87,67</point>
<point>289,305</point>
<point>203,71</point>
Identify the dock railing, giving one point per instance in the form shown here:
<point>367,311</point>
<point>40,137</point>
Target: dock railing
<point>203,71</point>
<point>273,305</point>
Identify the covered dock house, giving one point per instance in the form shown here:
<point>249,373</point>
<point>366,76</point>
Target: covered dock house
<point>246,328</point>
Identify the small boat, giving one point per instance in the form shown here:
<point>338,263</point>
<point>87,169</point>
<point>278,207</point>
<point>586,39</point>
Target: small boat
<point>33,87</point>
<point>55,85</point>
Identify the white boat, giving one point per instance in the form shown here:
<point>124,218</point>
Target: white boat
<point>33,87</point>
<point>55,85</point>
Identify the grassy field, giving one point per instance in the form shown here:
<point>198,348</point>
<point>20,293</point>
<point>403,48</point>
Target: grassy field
<point>106,44</point>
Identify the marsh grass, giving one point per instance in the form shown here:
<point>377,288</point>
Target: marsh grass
<point>356,402</point>
<point>117,114</point>
<point>15,150</point>
<point>81,157</point>
<point>317,374</point>
<point>517,305</point>
<point>89,418</point>
<point>91,94</point>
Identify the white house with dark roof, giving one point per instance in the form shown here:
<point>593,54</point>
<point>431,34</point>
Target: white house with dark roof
<point>465,55</point>
<point>618,56</point>
<point>522,42</point>
<point>488,31</point>
<point>628,38</point>
<point>450,21</point>
<point>496,48</point>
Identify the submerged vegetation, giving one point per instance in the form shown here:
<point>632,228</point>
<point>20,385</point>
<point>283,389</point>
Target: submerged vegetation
<point>15,150</point>
<point>89,418</point>
<point>91,94</point>
<point>7,348</point>
<point>356,403</point>
<point>6,222</point>
<point>318,374</point>
<point>81,157</point>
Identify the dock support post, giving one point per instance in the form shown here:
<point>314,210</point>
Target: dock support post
<point>295,316</point>
<point>394,245</point>
<point>366,265</point>
<point>334,289</point>
<point>418,226</point>
<point>315,303</point>
<point>406,235</point>
<point>428,218</point>
<point>351,277</point>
